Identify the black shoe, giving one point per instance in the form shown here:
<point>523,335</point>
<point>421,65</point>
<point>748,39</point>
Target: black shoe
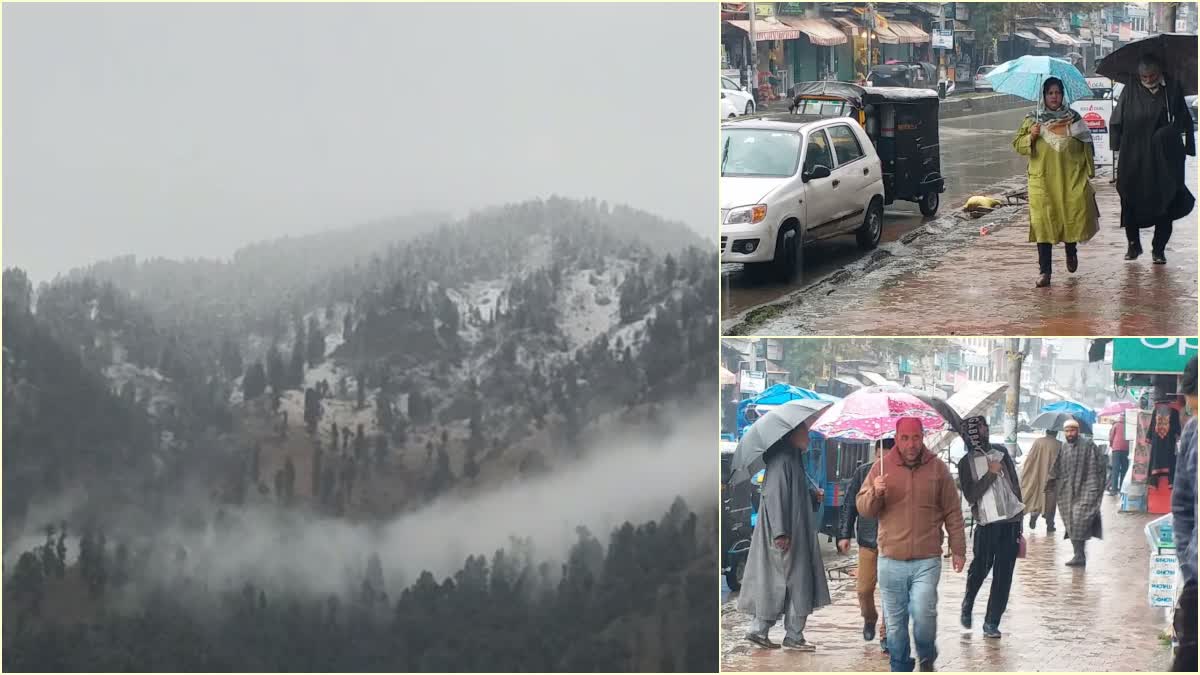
<point>1033,522</point>
<point>965,617</point>
<point>1072,262</point>
<point>1132,252</point>
<point>925,666</point>
<point>1160,258</point>
<point>799,645</point>
<point>1043,281</point>
<point>1051,529</point>
<point>1077,562</point>
<point>990,631</point>
<point>883,645</point>
<point>761,641</point>
<point>868,631</point>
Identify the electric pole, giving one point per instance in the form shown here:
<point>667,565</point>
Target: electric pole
<point>752,79</point>
<point>1012,402</point>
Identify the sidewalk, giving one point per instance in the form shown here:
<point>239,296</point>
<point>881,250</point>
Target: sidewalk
<point>986,286</point>
<point>1058,618</point>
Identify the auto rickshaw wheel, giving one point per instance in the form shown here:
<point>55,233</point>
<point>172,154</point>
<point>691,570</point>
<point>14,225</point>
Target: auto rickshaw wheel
<point>737,568</point>
<point>930,201</point>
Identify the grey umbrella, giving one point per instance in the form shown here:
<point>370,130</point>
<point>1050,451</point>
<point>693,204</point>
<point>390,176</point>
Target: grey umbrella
<point>767,430</point>
<point>1054,421</point>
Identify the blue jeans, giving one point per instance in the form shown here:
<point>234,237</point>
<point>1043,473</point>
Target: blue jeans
<point>909,588</point>
<point>1120,463</point>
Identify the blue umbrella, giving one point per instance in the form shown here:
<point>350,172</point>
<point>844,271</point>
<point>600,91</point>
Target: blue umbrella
<point>1078,410</point>
<point>1024,77</point>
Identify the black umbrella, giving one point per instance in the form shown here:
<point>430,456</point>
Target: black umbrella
<point>767,430</point>
<point>1054,421</point>
<point>1176,51</point>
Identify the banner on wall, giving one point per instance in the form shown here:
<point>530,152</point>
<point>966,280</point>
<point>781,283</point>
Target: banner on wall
<point>1096,113</point>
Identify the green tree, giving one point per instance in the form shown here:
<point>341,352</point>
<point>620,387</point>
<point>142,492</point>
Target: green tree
<point>255,382</point>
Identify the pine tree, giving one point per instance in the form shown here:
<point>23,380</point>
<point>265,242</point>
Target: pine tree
<point>312,409</point>
<point>336,439</point>
<point>255,382</point>
<point>276,374</point>
<point>316,342</point>
<point>384,415</point>
<point>360,445</point>
<point>231,358</point>
<point>362,390</point>
<point>381,449</point>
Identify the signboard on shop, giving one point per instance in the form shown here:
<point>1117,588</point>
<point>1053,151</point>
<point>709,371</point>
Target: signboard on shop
<point>1180,25</point>
<point>1164,578</point>
<point>1096,113</point>
<point>1167,356</point>
<point>753,381</point>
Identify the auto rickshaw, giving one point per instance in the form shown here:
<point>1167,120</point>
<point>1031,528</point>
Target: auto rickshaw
<point>902,124</point>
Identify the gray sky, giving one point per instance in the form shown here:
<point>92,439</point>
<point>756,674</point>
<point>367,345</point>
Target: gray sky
<point>183,130</point>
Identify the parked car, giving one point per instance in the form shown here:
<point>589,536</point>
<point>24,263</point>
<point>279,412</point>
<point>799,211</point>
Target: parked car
<point>742,100</point>
<point>981,81</point>
<point>787,179</point>
<point>728,111</point>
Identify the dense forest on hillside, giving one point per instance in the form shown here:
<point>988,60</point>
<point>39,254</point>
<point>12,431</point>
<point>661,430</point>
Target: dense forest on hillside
<point>357,382</point>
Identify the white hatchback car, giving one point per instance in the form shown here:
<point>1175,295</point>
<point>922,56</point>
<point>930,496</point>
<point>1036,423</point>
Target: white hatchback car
<point>785,182</point>
<point>741,99</point>
<point>728,111</point>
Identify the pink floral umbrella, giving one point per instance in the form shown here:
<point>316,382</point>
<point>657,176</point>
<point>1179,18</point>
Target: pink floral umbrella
<point>870,414</point>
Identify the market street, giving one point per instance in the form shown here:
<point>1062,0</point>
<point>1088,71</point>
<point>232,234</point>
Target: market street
<point>1058,619</point>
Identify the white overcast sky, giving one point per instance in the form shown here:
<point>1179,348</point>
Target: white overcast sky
<point>185,130</point>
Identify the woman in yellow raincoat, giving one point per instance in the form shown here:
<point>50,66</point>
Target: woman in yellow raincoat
<point>1062,203</point>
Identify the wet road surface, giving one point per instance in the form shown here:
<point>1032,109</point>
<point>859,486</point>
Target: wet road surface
<point>1058,618</point>
<point>984,285</point>
<point>976,153</point>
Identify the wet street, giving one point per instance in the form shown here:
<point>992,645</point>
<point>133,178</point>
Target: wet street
<point>1058,619</point>
<point>976,153</point>
<point>957,282</point>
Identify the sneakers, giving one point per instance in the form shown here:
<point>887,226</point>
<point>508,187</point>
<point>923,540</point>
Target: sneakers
<point>991,631</point>
<point>762,641</point>
<point>801,645</point>
<point>869,631</point>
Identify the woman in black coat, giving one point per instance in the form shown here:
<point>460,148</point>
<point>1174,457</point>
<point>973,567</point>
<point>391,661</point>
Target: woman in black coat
<point>1147,125</point>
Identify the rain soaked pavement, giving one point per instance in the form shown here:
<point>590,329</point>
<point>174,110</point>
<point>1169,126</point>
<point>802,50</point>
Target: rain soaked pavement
<point>956,282</point>
<point>976,153</point>
<point>1058,619</point>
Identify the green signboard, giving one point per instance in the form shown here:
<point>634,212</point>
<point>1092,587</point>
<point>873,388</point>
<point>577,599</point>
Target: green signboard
<point>1153,355</point>
<point>792,8</point>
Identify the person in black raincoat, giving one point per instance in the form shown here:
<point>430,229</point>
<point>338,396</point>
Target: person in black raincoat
<point>1147,124</point>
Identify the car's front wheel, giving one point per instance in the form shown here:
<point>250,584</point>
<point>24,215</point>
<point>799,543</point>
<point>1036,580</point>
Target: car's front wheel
<point>871,232</point>
<point>787,255</point>
<point>749,107</point>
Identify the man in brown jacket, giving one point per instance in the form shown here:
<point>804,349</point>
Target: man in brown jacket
<point>912,494</point>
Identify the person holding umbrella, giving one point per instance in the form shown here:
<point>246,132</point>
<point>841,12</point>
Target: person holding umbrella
<point>912,494</point>
<point>1147,124</point>
<point>1062,202</point>
<point>784,571</point>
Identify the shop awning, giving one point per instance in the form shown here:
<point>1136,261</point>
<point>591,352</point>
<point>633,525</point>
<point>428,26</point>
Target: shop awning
<point>846,24</point>
<point>727,377</point>
<point>819,31</point>
<point>902,32</point>
<point>1037,41</point>
<point>767,30</point>
<point>1056,37</point>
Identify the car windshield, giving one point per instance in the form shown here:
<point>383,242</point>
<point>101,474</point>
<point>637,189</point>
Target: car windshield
<point>764,153</point>
<point>812,106</point>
